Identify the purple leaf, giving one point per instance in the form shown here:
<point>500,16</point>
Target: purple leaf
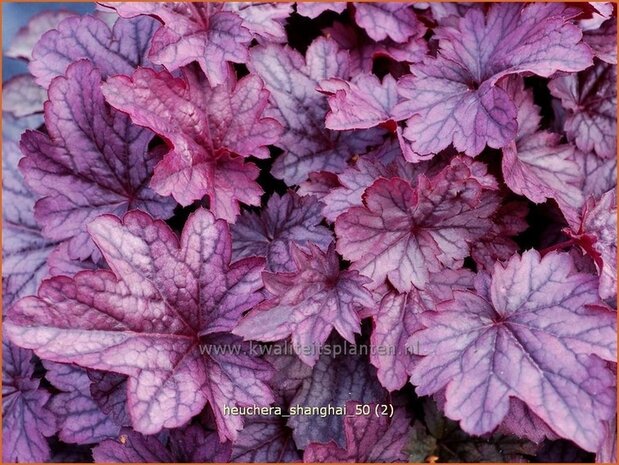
<point>363,51</point>
<point>159,328</point>
<point>314,9</point>
<point>402,233</point>
<point>60,263</point>
<point>603,40</point>
<point>309,303</point>
<point>21,96</point>
<point>109,391</point>
<point>132,447</point>
<point>364,103</point>
<point>536,320</point>
<point>80,420</point>
<point>597,237</point>
<point>369,439</point>
<point>590,99</point>
<point>26,421</point>
<point>285,221</point>
<point>116,51</point>
<point>264,20</point>
<point>292,80</point>
<point>24,249</point>
<point>202,32</point>
<point>522,422</point>
<point>398,317</point>
<point>607,453</point>
<point>358,177</point>
<point>394,20</point>
<point>536,165</point>
<point>189,444</point>
<point>27,36</point>
<point>91,161</point>
<point>599,174</point>
<point>498,245</point>
<point>208,140</point>
<point>335,380</point>
<point>454,95</point>
<point>265,439</point>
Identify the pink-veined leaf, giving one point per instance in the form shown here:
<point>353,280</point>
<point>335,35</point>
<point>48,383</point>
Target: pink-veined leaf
<point>286,220</point>
<point>537,319</point>
<point>92,161</point>
<point>116,51</point>
<point>80,420</point>
<point>455,97</point>
<point>292,81</point>
<point>209,138</point>
<point>202,32</point>
<point>590,98</point>
<point>403,233</point>
<point>158,317</point>
<point>308,303</point>
<point>369,439</point>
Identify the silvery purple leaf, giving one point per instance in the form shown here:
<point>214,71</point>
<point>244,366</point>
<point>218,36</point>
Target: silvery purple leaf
<point>454,96</point>
<point>116,51</point>
<point>159,329</point>
<point>537,319</point>
<point>590,98</point>
<point>292,81</point>
<point>80,420</point>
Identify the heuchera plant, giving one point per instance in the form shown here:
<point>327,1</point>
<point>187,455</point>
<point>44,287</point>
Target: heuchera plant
<point>226,224</point>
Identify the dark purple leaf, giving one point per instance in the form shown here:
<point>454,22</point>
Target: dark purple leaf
<point>286,220</point>
<point>26,420</point>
